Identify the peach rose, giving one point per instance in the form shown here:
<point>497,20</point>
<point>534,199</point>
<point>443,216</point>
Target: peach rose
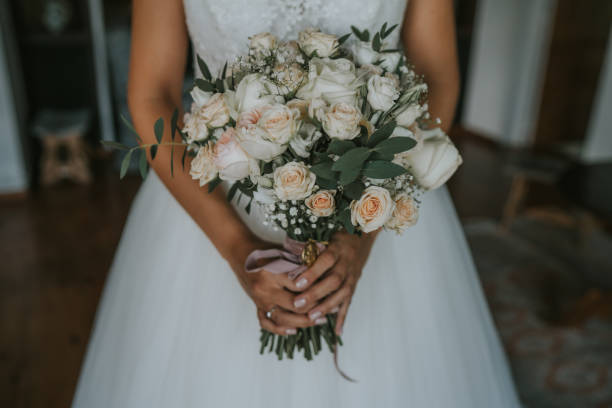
<point>215,112</point>
<point>202,166</point>
<point>232,162</point>
<point>373,209</point>
<point>405,214</point>
<point>321,203</point>
<point>293,181</point>
<point>342,121</point>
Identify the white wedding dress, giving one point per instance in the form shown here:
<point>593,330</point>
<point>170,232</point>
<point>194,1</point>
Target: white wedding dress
<point>175,329</point>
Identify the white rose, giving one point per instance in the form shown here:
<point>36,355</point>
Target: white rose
<point>278,120</point>
<point>321,203</point>
<point>195,128</point>
<point>200,97</point>
<point>254,90</point>
<point>215,111</point>
<point>342,121</point>
<point>332,80</point>
<point>373,209</point>
<point>410,113</point>
<point>435,162</point>
<point>311,40</point>
<point>255,141</point>
<point>293,181</point>
<point>231,160</point>
<point>305,138</point>
<point>390,60</point>
<point>364,53</point>
<point>262,42</point>
<point>300,106</point>
<point>202,166</point>
<point>382,92</point>
<point>367,70</point>
<point>317,109</point>
<point>405,214</point>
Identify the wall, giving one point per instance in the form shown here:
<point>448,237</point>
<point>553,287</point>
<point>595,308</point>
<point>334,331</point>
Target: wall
<point>13,175</point>
<point>598,145</point>
<point>509,53</point>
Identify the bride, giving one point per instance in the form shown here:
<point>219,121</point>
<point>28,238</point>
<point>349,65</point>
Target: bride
<point>175,329</point>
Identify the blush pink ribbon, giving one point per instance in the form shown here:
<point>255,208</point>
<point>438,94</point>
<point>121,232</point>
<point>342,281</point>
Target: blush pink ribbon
<point>287,260</point>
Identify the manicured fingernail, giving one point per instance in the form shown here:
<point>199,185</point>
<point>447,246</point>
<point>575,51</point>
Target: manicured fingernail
<point>321,320</point>
<point>335,309</point>
<point>315,315</point>
<point>299,302</point>
<point>340,331</point>
<point>301,283</point>
<point>291,331</point>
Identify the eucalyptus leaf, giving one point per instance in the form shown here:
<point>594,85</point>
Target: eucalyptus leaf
<point>142,165</point>
<point>174,123</point>
<point>340,147</point>
<point>345,219</point>
<point>354,190</point>
<point>153,152</point>
<point>127,123</point>
<point>343,39</point>
<point>389,31</point>
<point>220,86</point>
<point>324,170</point>
<point>114,145</point>
<point>125,164</point>
<point>352,159</point>
<point>380,169</point>
<point>350,175</point>
<point>381,134</point>
<point>205,85</point>
<point>224,71</point>
<point>326,183</point>
<point>232,191</point>
<point>395,145</point>
<point>204,68</point>
<point>376,43</point>
<point>214,183</point>
<point>159,129</point>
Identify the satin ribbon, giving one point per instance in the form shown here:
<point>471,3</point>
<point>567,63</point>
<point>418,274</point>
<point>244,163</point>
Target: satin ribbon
<point>287,260</point>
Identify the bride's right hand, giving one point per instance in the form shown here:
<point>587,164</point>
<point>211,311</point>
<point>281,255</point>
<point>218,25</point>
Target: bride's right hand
<point>269,292</point>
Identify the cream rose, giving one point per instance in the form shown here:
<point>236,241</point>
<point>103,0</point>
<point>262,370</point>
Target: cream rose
<point>321,203</point>
<point>373,209</point>
<point>390,60</point>
<point>300,107</point>
<point>200,97</point>
<point>367,70</point>
<point>253,91</point>
<point>262,42</point>
<point>215,112</point>
<point>317,109</point>
<point>202,166</point>
<point>312,40</point>
<point>293,181</point>
<point>195,128</point>
<point>435,162</point>
<point>364,53</point>
<point>255,141</point>
<point>231,160</point>
<point>382,92</point>
<point>405,214</point>
<point>305,138</point>
<point>342,121</point>
<point>333,80</point>
<point>410,113</point>
<point>278,120</point>
<point>290,77</point>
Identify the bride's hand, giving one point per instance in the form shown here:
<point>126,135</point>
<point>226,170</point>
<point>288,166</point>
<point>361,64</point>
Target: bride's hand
<point>333,277</point>
<point>269,293</point>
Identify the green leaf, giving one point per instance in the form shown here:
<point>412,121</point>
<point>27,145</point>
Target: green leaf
<point>381,134</point>
<point>232,191</point>
<point>389,31</point>
<point>324,170</point>
<point>383,28</point>
<point>326,183</point>
<point>395,145</point>
<point>366,35</point>
<point>127,123</point>
<point>174,123</point>
<point>340,147</point>
<point>224,71</point>
<point>350,175</point>
<point>376,43</point>
<point>343,39</point>
<point>183,158</point>
<point>205,85</point>
<point>142,165</point>
<point>220,86</point>
<point>153,152</point>
<point>353,158</point>
<point>125,164</point>
<point>380,169</point>
<point>114,145</point>
<point>345,219</point>
<point>380,156</point>
<point>214,183</point>
<point>159,129</point>
<point>204,69</point>
<point>354,190</point>
<point>358,33</point>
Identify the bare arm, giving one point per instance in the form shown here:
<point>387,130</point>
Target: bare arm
<point>157,66</point>
<point>428,34</point>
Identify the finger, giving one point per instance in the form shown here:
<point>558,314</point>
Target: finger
<point>324,262</point>
<point>331,304</point>
<point>284,299</point>
<point>321,289</point>
<point>289,319</point>
<point>342,317</point>
<point>272,327</point>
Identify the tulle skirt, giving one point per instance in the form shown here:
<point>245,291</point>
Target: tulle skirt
<point>175,329</point>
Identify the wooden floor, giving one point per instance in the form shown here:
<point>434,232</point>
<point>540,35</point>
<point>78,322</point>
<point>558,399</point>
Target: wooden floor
<point>56,247</point>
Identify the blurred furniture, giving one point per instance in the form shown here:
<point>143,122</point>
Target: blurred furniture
<point>589,186</point>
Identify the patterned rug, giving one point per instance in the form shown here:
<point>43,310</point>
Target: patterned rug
<point>550,292</point>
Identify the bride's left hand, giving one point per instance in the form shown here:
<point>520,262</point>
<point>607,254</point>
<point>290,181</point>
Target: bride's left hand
<point>333,277</point>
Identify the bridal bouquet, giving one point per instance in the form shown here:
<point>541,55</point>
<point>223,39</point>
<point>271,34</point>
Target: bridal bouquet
<point>323,136</point>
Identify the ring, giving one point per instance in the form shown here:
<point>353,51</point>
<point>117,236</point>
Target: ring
<point>269,313</point>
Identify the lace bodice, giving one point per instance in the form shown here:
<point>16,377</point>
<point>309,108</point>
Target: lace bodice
<point>220,29</point>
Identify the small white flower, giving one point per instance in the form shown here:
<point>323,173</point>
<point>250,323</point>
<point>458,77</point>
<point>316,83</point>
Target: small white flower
<point>292,221</point>
<point>293,211</point>
<point>313,218</point>
<point>284,224</point>
<point>297,231</point>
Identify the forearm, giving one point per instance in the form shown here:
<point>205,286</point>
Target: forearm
<point>211,211</point>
